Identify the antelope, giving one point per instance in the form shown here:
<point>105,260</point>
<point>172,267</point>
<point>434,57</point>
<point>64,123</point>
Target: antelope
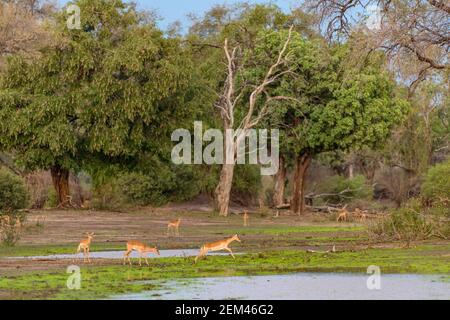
<point>217,246</point>
<point>174,226</point>
<point>361,215</point>
<point>246,218</point>
<point>141,248</point>
<point>342,214</point>
<point>85,244</point>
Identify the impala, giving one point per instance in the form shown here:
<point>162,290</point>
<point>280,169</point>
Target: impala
<point>141,248</point>
<point>217,246</point>
<point>85,244</point>
<point>246,218</point>
<point>359,214</point>
<point>174,226</point>
<point>342,214</point>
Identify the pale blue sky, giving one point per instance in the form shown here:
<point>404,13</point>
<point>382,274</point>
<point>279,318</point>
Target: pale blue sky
<point>177,10</point>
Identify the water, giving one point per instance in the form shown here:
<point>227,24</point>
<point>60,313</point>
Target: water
<point>119,255</point>
<point>299,286</point>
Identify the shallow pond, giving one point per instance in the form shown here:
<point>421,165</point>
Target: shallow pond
<point>299,286</point>
<point>119,255</point>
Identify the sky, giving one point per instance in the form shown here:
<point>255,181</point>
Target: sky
<point>177,10</point>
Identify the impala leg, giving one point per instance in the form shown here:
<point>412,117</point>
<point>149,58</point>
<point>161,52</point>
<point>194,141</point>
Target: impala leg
<point>229,250</point>
<point>146,260</point>
<point>76,253</point>
<point>88,254</point>
<point>200,255</point>
<point>125,256</point>
<point>178,231</point>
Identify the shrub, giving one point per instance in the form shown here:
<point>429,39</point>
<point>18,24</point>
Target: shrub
<point>13,193</point>
<point>108,197</point>
<point>413,222</point>
<point>140,189</point>
<point>436,187</point>
<point>13,196</point>
<point>342,190</point>
<point>246,183</point>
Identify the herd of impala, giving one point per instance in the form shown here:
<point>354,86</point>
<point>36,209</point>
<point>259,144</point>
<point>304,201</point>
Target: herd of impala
<point>172,228</point>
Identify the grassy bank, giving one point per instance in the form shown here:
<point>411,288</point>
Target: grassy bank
<point>108,280</point>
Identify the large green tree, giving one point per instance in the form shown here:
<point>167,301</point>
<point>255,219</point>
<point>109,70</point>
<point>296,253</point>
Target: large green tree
<point>110,90</point>
<point>337,106</point>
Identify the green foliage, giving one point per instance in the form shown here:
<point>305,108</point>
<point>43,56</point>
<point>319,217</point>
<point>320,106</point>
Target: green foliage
<point>246,183</point>
<point>333,106</point>
<point>108,196</point>
<point>13,196</point>
<point>113,89</point>
<point>140,189</point>
<point>13,193</point>
<point>436,187</point>
<point>342,190</point>
<point>52,199</point>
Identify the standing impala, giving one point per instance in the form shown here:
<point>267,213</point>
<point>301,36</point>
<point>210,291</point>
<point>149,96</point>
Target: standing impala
<point>342,214</point>
<point>85,244</point>
<point>141,248</point>
<point>217,246</point>
<point>174,226</point>
<point>246,218</point>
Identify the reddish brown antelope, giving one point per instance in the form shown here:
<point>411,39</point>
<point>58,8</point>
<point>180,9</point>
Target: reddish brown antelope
<point>174,226</point>
<point>85,244</point>
<point>141,248</point>
<point>217,246</point>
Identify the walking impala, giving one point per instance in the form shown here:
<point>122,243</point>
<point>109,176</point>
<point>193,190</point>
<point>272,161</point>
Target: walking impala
<point>141,248</point>
<point>174,226</point>
<point>85,244</point>
<point>217,246</point>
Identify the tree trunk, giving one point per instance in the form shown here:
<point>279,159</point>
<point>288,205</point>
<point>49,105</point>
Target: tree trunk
<point>298,198</point>
<point>60,178</point>
<point>223,189</point>
<point>351,174</point>
<point>280,178</point>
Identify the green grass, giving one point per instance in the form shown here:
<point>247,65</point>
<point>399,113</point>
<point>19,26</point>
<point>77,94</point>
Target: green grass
<point>102,282</point>
<point>42,250</point>
<point>289,230</point>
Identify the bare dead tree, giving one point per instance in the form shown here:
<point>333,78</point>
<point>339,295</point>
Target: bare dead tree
<point>407,30</point>
<point>229,100</point>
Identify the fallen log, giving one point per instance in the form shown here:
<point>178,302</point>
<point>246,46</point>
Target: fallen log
<point>328,251</point>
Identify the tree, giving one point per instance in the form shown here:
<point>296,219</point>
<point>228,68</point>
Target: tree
<point>107,91</point>
<point>412,31</point>
<point>242,26</point>
<point>336,108</point>
<point>254,110</point>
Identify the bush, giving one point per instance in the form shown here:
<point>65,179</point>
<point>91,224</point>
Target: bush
<point>13,196</point>
<point>108,197</point>
<point>140,189</point>
<point>436,187</point>
<point>13,193</point>
<point>413,222</point>
<point>342,190</point>
<point>246,183</point>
